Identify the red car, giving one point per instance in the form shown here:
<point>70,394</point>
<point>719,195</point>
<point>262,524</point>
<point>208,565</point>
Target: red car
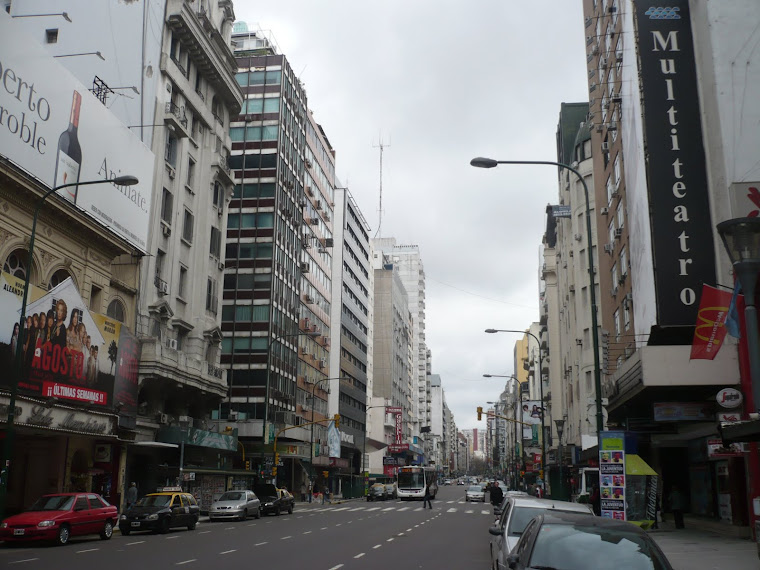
<point>61,516</point>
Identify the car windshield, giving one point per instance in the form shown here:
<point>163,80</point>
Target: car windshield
<point>521,516</point>
<point>475,489</point>
<point>231,496</point>
<point>54,503</point>
<point>154,501</point>
<point>572,547</point>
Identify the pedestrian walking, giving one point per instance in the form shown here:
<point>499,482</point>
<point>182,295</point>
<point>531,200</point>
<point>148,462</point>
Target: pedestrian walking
<point>131,495</point>
<point>596,500</point>
<point>428,499</point>
<point>496,494</point>
<point>303,492</point>
<point>676,501</point>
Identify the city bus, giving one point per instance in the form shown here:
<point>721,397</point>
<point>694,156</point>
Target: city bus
<point>411,481</point>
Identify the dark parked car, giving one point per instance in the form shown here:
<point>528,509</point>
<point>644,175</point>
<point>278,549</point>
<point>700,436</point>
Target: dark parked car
<point>59,517</point>
<point>577,542</point>
<point>274,500</point>
<point>160,512</point>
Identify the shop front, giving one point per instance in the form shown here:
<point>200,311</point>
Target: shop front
<point>58,448</point>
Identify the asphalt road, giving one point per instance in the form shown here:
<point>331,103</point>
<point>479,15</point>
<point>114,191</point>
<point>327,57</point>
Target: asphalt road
<point>355,534</point>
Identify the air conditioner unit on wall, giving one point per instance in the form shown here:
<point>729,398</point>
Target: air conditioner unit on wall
<point>166,229</point>
<point>163,418</point>
<point>608,247</point>
<point>171,343</point>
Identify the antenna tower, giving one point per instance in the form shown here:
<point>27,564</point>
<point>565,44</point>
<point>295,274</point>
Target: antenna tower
<point>382,147</point>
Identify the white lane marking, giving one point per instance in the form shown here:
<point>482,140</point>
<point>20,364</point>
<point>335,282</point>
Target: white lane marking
<point>389,540</point>
<point>300,517</point>
<point>415,526</point>
<point>323,528</point>
<point>133,543</point>
<point>186,562</point>
<point>24,560</point>
<point>230,528</point>
<point>451,510</point>
<point>359,555</point>
<point>389,509</point>
<point>373,509</point>
<point>469,512</point>
<point>286,537</point>
<point>400,534</point>
<point>88,550</point>
<point>261,543</point>
<point>377,546</point>
<point>449,502</point>
<point>418,509</point>
<point>341,509</point>
<point>484,512</point>
<point>358,509</point>
<point>227,551</point>
<point>208,531</point>
<point>339,524</point>
<point>409,530</point>
<point>404,509</point>
<point>307,532</point>
<point>336,567</point>
<point>171,537</point>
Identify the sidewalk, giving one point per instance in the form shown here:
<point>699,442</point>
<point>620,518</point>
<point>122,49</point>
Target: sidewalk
<point>697,549</point>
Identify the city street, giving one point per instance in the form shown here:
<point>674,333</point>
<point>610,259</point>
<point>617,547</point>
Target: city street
<point>354,534</point>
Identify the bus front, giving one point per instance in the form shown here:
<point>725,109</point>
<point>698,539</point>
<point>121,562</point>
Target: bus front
<point>410,483</point>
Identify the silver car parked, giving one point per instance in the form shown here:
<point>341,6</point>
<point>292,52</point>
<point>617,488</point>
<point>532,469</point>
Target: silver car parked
<point>517,512</point>
<point>235,505</point>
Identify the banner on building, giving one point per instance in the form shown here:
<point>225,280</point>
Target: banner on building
<point>69,353</point>
<point>710,330</point>
<point>333,440</point>
<point>612,474</point>
<point>532,412</point>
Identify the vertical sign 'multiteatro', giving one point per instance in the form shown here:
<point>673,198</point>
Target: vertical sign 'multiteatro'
<point>676,176</point>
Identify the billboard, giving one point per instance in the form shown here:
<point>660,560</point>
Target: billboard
<point>68,352</point>
<point>532,412</point>
<point>677,179</point>
<point>60,133</point>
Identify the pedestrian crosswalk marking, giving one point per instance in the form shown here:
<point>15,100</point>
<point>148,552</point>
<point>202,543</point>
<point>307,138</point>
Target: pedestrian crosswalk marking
<point>419,509</point>
<point>404,509</point>
<point>342,509</point>
<point>451,510</point>
<point>470,512</point>
<point>484,512</point>
<point>389,509</point>
<point>373,509</point>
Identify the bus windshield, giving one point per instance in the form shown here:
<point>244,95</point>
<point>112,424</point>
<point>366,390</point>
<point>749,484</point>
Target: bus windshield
<point>412,479</point>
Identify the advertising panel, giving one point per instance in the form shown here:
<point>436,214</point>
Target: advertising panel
<point>69,353</point>
<point>56,130</point>
<point>612,474</point>
<point>683,411</point>
<point>677,180</point>
<point>532,411</point>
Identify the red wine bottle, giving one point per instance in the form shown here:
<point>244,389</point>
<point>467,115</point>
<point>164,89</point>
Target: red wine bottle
<point>69,158</point>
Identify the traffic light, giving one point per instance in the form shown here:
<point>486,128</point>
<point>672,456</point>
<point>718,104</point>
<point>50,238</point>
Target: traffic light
<point>325,474</point>
<point>276,458</point>
<point>247,464</point>
<point>336,419</point>
<point>480,413</point>
<point>274,471</point>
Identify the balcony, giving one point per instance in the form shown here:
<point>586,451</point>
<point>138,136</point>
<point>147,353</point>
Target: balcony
<point>176,120</point>
<point>221,165</point>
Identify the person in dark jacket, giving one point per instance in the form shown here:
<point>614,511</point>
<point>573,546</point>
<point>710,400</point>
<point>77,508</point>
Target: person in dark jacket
<point>428,500</point>
<point>496,494</point>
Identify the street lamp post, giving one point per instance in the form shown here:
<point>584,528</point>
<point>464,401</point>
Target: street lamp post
<point>560,423</point>
<point>184,425</point>
<point>481,162</point>
<point>5,461</point>
<point>541,388</point>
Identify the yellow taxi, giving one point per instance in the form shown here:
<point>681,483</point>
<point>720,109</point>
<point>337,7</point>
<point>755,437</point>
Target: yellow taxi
<point>161,511</point>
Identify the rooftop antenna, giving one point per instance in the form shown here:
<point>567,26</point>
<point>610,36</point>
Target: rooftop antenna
<point>382,147</point>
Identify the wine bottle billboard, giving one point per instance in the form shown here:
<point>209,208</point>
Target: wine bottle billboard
<point>69,157</point>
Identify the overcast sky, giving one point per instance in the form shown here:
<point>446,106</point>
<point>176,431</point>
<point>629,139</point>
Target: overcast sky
<point>440,82</point>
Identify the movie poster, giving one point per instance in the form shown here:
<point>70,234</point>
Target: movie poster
<point>68,353</point>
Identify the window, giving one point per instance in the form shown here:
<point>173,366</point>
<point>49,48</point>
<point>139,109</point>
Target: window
<point>51,36</point>
<point>96,298</point>
<point>218,195</point>
<point>610,189</point>
<point>620,216</point>
<point>116,311</point>
<point>15,264</point>
<point>623,261</point>
<point>190,173</point>
<point>252,220</point>
<point>617,170</point>
<point>81,504</point>
<point>215,246</point>
<point>212,301</point>
<point>170,152</point>
<point>58,277</point>
<point>616,318</point>
<point>182,281</point>
<point>160,257</point>
<point>626,317</point>
<point>167,201</point>
<point>245,313</point>
<point>611,231</point>
<point>614,276</point>
<point>187,227</point>
<point>181,336</point>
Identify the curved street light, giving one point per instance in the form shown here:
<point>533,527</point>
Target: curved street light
<point>481,162</point>
<point>5,460</point>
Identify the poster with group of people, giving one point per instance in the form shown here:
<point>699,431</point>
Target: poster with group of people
<point>67,352</point>
<point>532,411</point>
<point>612,474</point>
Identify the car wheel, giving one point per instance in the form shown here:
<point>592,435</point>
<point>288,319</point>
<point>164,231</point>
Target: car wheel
<point>290,510</point>
<point>64,533</point>
<point>163,527</point>
<point>107,531</point>
<point>125,532</point>
<point>191,526</point>
<point>258,513</point>
<point>244,515</point>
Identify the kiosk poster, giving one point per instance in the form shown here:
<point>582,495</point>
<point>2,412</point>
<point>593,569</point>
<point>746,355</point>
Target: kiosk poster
<point>612,474</point>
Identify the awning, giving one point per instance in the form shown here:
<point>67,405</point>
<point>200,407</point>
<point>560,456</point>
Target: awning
<point>740,432</point>
<point>635,465</point>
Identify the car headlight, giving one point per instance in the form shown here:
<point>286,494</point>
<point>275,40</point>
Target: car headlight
<point>268,504</point>
<point>4,525</point>
<point>153,517</point>
<point>123,517</point>
<point>45,523</point>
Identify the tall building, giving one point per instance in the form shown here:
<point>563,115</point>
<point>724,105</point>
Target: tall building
<point>276,315</point>
<point>408,261</point>
<point>351,352</point>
